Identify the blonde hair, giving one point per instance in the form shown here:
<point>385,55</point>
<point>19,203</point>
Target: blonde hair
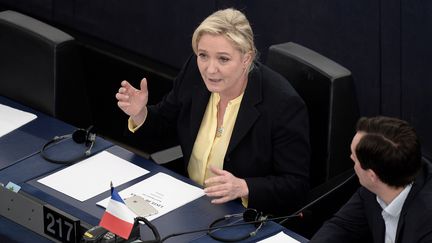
<point>230,23</point>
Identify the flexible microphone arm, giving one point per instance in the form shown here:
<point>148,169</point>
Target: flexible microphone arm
<point>320,197</point>
<point>298,213</point>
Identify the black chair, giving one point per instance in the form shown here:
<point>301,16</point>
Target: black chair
<point>40,68</point>
<point>328,91</point>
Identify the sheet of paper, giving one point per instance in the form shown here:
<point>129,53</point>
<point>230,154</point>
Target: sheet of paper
<point>280,237</point>
<point>92,176</point>
<point>163,192</point>
<point>12,119</point>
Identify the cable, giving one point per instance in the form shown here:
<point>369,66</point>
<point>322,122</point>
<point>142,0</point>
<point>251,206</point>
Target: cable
<point>321,197</point>
<point>298,213</point>
<point>230,225</point>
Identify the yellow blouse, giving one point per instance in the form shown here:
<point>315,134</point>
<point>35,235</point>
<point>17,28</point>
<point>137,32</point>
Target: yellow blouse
<point>211,145</point>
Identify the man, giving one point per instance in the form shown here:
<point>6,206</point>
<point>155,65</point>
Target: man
<point>394,203</point>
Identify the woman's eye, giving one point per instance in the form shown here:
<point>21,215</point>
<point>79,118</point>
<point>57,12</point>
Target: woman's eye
<point>202,55</point>
<point>224,59</point>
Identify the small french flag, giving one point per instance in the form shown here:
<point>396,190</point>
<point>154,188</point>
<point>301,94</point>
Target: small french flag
<point>118,218</point>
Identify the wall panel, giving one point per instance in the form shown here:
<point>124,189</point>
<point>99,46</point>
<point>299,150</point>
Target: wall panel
<point>416,73</point>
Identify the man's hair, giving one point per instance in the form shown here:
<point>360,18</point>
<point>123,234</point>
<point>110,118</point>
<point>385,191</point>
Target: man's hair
<point>231,24</point>
<point>390,148</point>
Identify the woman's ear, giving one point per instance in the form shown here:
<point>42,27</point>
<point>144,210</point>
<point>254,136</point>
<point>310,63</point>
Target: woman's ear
<point>247,58</point>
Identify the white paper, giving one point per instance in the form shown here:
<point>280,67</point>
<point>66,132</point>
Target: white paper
<point>163,192</point>
<point>12,119</point>
<point>92,176</point>
<point>280,237</point>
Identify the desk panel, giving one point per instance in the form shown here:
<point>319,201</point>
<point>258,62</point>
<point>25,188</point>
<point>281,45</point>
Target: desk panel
<point>268,229</point>
<point>27,140</point>
<point>13,232</point>
<point>36,166</point>
<point>197,214</point>
<point>194,215</point>
<point>18,145</point>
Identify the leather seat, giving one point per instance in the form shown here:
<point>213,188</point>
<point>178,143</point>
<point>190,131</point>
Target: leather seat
<point>328,91</point>
<point>40,68</point>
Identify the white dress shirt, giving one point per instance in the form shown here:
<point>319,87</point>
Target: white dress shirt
<point>391,213</point>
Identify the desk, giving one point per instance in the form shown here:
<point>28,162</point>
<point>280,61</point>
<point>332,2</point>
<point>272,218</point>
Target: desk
<point>197,214</point>
<point>19,153</point>
<point>269,228</point>
<point>29,139</point>
<point>18,160</point>
<point>28,166</point>
<point>90,213</point>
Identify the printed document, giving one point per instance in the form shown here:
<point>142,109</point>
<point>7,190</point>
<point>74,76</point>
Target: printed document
<point>93,175</point>
<point>163,192</point>
<point>12,119</point>
<point>280,237</point>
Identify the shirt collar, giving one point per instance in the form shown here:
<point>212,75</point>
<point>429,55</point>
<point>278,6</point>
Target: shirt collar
<point>234,101</point>
<point>395,206</point>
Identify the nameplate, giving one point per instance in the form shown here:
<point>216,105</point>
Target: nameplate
<point>60,226</point>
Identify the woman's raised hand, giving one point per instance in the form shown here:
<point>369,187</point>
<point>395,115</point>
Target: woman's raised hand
<point>133,101</point>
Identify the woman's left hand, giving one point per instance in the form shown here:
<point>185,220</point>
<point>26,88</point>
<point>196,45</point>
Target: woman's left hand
<point>224,186</point>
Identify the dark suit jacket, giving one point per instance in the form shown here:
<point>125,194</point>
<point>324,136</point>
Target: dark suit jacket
<point>269,146</point>
<point>360,220</point>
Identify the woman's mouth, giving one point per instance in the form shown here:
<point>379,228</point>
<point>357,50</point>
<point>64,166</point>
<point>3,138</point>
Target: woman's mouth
<point>214,80</point>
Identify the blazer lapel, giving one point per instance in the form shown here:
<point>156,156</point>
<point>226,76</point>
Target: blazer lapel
<point>418,184</point>
<point>247,113</point>
<point>198,107</point>
<point>378,224</point>
<point>246,116</point>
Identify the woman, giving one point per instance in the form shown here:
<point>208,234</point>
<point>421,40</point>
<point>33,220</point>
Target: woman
<point>242,128</point>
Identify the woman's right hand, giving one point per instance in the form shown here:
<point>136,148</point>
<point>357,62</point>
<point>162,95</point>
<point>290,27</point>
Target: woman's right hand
<point>133,101</point>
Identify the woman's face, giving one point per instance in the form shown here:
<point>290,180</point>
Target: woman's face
<point>223,67</point>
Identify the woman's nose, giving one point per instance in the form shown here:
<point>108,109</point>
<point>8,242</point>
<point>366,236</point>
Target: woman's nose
<point>212,67</point>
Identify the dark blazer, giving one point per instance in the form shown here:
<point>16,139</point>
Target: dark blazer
<point>269,146</point>
<point>360,219</point>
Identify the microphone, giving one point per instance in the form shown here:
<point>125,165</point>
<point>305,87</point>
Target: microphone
<point>79,136</point>
<point>258,220</point>
<point>91,140</point>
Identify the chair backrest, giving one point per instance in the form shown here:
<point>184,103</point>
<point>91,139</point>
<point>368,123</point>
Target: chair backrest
<point>328,91</point>
<point>39,67</point>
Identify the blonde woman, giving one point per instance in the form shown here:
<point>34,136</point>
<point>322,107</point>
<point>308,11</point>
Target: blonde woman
<point>242,128</point>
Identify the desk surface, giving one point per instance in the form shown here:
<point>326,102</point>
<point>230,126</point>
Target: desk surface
<point>89,212</point>
<point>28,139</point>
<point>197,214</point>
<point>25,166</point>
